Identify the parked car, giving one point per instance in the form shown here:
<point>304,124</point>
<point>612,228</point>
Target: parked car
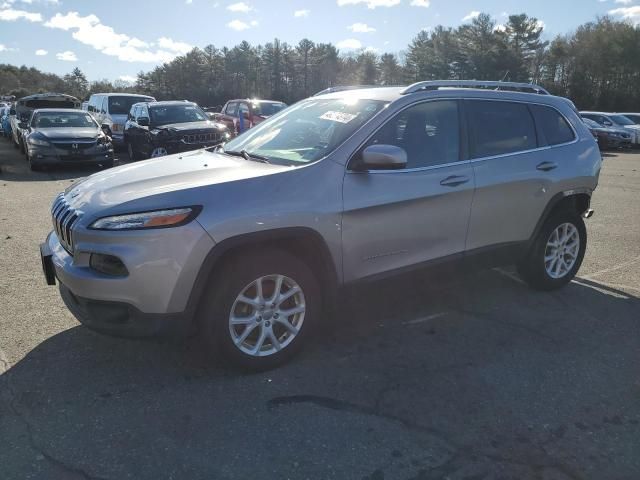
<point>65,136</point>
<point>156,129</point>
<point>252,112</point>
<point>112,109</point>
<point>616,121</point>
<point>609,137</point>
<point>25,107</point>
<point>634,117</point>
<point>248,242</point>
<point>5,124</point>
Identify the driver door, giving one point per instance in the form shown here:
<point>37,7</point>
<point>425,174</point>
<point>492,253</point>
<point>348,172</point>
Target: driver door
<point>404,218</point>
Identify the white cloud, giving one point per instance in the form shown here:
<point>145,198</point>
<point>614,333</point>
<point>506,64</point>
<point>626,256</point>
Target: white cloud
<point>11,15</point>
<point>624,2</point>
<point>173,46</point>
<point>361,28</point>
<point>471,16</point>
<point>239,7</point>
<point>541,24</point>
<point>301,13</point>
<point>369,3</point>
<point>628,13</point>
<point>41,52</point>
<point>90,31</point>
<point>499,28</point>
<point>349,44</point>
<point>188,2</point>
<point>420,3</point>
<point>67,56</point>
<point>372,49</point>
<point>127,78</point>
<point>238,25</point>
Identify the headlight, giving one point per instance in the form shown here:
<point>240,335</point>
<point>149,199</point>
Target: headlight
<point>39,142</point>
<point>156,219</point>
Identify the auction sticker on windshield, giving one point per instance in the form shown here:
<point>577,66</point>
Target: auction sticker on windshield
<point>340,117</point>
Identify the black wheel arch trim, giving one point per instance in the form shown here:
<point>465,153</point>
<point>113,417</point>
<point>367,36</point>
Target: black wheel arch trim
<point>553,203</point>
<point>329,282</point>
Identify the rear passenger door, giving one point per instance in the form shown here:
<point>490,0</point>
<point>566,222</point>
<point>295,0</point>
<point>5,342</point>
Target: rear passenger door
<point>402,218</point>
<point>517,167</point>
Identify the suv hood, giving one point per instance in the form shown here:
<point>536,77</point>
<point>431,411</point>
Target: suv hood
<point>115,187</point>
<point>189,126</point>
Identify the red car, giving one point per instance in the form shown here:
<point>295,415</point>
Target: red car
<point>251,111</point>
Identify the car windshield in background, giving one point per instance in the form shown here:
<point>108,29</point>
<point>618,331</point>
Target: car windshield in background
<point>621,120</point>
<point>266,109</point>
<point>591,123</point>
<point>121,105</point>
<point>307,131</point>
<point>63,120</point>
<point>167,114</point>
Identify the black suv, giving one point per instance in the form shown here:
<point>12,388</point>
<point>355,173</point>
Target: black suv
<point>155,129</point>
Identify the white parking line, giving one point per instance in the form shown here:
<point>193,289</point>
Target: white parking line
<point>510,275</point>
<point>425,319</point>
<point>611,269</point>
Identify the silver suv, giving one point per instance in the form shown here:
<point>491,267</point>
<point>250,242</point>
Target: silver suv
<point>248,243</point>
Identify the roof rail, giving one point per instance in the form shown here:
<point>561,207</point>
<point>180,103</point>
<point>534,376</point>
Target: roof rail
<point>480,84</point>
<point>342,88</point>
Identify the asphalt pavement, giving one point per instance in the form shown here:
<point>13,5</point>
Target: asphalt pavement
<point>465,377</point>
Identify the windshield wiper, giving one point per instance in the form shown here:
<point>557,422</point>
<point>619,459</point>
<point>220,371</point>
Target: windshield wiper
<point>247,156</point>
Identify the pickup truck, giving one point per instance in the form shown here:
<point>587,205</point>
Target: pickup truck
<point>252,112</point>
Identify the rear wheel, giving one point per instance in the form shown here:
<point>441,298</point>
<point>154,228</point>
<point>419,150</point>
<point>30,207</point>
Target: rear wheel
<point>262,308</point>
<point>557,252</point>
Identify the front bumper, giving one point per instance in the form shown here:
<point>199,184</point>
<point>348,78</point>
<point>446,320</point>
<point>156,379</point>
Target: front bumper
<point>47,156</point>
<point>163,265</point>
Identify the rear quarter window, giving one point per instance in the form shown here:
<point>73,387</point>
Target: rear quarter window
<point>499,128</point>
<point>553,125</point>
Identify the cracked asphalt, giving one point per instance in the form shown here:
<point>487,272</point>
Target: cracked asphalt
<point>457,377</point>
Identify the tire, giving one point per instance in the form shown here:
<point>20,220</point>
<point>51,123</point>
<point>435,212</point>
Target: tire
<point>239,276</point>
<point>555,273</point>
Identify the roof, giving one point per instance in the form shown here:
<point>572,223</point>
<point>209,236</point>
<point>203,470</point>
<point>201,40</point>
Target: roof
<point>38,96</point>
<point>587,112</point>
<point>168,102</point>
<point>60,110</point>
<point>124,94</point>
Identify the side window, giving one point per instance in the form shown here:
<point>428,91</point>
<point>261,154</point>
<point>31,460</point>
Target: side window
<point>144,113</point>
<point>90,106</point>
<point>429,132</point>
<point>553,125</point>
<point>133,113</point>
<point>231,109</point>
<point>105,105</point>
<point>499,128</point>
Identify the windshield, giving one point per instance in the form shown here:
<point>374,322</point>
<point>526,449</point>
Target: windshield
<point>591,123</point>
<point>266,109</point>
<point>307,131</point>
<point>121,105</point>
<point>167,114</point>
<point>621,120</point>
<point>63,120</point>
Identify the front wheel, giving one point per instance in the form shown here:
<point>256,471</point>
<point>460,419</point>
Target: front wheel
<point>557,252</point>
<point>158,152</point>
<point>261,309</point>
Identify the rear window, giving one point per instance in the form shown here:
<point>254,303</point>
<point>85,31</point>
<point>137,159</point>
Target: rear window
<point>121,105</point>
<point>49,104</point>
<point>553,125</point>
<point>498,128</point>
<point>266,109</point>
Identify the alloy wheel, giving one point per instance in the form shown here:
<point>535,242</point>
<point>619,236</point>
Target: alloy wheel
<point>561,252</point>
<point>159,152</point>
<point>267,315</point>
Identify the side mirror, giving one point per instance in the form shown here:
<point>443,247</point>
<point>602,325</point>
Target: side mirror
<point>143,121</point>
<point>383,157</point>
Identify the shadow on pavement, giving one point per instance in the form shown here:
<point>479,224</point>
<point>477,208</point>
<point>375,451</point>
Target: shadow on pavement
<point>481,378</point>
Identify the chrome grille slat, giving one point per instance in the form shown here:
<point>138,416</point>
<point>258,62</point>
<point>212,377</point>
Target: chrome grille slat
<point>64,218</point>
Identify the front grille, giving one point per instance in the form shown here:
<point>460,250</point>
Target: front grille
<point>74,147</point>
<point>64,218</point>
<point>201,138</point>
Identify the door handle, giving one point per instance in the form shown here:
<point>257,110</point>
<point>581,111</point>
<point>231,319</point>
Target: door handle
<point>547,166</point>
<point>454,181</point>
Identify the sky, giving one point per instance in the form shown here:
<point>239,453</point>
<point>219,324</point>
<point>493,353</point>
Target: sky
<point>116,39</point>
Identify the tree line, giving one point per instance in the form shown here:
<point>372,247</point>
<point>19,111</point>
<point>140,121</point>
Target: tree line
<point>597,66</point>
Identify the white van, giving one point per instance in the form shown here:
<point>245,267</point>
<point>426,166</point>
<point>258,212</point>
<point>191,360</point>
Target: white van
<point>112,109</point>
